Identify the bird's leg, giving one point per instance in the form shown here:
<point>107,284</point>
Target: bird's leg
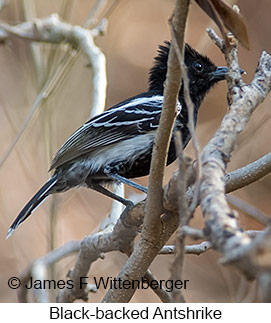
<point>99,188</point>
<point>127,181</point>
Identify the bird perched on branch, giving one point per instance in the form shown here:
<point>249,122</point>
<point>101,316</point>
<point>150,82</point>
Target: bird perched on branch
<point>117,144</point>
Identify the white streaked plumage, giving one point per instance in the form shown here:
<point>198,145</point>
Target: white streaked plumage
<point>155,101</point>
<point>141,121</point>
<point>109,123</point>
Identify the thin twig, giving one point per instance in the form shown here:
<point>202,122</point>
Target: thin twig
<point>248,209</point>
<point>160,292</point>
<point>184,163</point>
<point>248,174</point>
<point>196,249</point>
<point>91,19</point>
<point>176,268</point>
<point>191,121</point>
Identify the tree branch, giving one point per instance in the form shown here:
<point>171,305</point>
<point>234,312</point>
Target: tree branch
<point>221,223</point>
<point>150,241</point>
<point>159,155</point>
<point>248,174</point>
<point>119,238</point>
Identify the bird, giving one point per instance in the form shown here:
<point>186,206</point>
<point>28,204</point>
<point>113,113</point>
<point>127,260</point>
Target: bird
<point>116,145</point>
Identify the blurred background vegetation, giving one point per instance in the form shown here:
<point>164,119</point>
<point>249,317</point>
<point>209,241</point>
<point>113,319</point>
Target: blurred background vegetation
<point>134,31</point>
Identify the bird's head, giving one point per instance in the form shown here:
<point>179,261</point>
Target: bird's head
<point>202,73</point>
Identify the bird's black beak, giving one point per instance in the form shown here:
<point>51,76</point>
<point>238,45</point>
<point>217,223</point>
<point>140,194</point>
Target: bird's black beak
<point>220,73</point>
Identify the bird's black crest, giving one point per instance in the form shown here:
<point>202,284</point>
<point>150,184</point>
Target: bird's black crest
<point>157,74</point>
<point>159,70</point>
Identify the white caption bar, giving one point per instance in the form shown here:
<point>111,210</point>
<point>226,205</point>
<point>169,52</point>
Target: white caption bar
<point>209,312</point>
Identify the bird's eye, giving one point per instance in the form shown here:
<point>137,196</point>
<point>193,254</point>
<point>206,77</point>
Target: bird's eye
<point>197,67</point>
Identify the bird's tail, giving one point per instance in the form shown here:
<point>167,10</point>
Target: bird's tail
<point>36,200</point>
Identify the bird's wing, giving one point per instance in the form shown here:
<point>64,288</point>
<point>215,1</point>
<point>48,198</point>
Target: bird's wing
<point>118,123</point>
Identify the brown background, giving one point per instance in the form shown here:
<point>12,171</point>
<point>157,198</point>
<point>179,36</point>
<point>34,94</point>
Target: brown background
<point>135,29</point>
